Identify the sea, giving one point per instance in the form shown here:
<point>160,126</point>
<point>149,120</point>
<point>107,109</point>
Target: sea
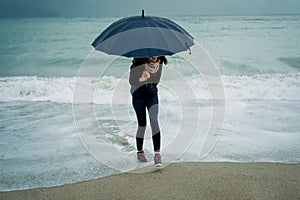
<point>54,131</point>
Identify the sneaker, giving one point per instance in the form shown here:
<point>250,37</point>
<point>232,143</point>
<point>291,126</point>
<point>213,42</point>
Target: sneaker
<point>141,156</point>
<point>157,159</point>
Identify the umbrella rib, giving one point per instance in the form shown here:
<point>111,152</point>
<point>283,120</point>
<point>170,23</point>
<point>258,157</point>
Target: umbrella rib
<point>166,44</point>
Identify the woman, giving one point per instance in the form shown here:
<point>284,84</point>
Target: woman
<point>145,74</point>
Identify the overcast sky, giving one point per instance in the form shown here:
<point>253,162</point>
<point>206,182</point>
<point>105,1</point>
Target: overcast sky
<point>82,8</point>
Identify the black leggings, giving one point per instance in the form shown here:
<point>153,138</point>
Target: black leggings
<point>140,106</point>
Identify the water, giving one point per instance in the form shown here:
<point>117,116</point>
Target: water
<point>257,56</point>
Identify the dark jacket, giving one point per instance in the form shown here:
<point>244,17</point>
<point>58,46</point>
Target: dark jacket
<point>144,89</point>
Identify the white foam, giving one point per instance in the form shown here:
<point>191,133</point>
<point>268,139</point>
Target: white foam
<point>34,88</point>
<point>263,87</point>
<point>60,89</point>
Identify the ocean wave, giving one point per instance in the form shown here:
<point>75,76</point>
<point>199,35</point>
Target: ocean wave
<point>291,61</point>
<point>61,89</point>
<point>263,87</point>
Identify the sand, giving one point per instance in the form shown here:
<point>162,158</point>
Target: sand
<point>183,181</point>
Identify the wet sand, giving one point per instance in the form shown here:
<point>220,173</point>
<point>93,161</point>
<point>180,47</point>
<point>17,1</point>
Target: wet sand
<point>183,181</point>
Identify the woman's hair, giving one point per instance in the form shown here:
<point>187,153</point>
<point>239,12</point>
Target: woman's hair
<point>163,59</point>
<point>140,61</point>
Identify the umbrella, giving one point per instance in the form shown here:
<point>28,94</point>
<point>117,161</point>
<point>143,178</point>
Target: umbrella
<point>143,36</point>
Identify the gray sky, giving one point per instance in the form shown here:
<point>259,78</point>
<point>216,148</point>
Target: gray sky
<point>81,8</point>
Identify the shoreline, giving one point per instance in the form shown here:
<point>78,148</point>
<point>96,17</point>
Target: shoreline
<point>190,180</point>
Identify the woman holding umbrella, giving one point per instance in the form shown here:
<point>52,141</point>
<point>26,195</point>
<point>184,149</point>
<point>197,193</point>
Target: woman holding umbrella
<point>147,39</point>
<point>145,74</point>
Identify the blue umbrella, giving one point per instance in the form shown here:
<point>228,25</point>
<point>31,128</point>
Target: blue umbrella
<point>143,36</point>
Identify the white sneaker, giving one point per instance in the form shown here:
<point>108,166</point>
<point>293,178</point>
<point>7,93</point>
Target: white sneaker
<point>157,159</point>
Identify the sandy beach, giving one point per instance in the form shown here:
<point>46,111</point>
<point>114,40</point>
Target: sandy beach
<point>183,181</point>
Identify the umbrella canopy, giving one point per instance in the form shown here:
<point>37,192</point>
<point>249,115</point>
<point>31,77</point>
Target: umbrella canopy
<point>143,36</point>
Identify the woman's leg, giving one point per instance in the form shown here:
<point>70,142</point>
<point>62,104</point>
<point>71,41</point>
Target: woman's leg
<point>139,106</point>
<point>152,106</point>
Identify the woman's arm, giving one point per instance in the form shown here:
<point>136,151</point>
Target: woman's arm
<point>155,78</point>
<point>137,75</point>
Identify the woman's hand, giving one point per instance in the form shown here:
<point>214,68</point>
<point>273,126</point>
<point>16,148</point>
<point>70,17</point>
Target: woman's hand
<point>144,76</point>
